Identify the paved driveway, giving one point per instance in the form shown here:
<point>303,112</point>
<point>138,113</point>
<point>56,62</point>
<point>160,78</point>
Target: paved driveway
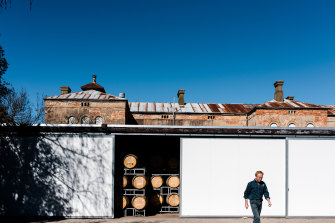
<point>173,218</point>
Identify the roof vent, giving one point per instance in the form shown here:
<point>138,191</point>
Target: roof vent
<point>65,89</point>
<point>279,95</point>
<point>122,95</point>
<point>290,98</point>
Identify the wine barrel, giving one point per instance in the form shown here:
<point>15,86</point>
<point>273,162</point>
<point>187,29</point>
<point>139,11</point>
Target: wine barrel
<point>173,163</point>
<point>173,181</point>
<point>156,181</point>
<point>130,161</point>
<point>125,181</point>
<point>139,202</point>
<point>156,199</point>
<point>173,199</point>
<point>139,182</point>
<point>125,202</point>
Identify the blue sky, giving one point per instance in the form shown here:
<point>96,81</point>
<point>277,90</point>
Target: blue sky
<point>218,51</point>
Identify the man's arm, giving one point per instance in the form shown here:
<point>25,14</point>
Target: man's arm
<point>269,202</point>
<point>246,195</point>
<point>267,195</point>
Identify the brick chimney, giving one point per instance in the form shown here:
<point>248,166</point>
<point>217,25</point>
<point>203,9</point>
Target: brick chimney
<point>180,95</point>
<point>95,79</point>
<point>65,89</point>
<point>279,95</point>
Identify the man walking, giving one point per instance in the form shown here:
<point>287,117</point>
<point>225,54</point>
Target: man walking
<point>254,192</point>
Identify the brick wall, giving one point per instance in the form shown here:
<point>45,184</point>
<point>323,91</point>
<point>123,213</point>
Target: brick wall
<point>283,117</point>
<point>331,121</point>
<point>59,111</point>
<point>190,119</point>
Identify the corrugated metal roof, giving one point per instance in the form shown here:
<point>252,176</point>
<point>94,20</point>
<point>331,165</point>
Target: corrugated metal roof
<point>331,111</point>
<point>189,107</point>
<point>218,108</point>
<point>85,95</point>
<point>289,104</point>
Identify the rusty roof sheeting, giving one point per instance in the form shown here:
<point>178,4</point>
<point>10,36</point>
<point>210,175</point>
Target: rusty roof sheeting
<point>189,107</point>
<point>331,111</point>
<point>154,107</point>
<point>85,95</point>
<point>288,104</point>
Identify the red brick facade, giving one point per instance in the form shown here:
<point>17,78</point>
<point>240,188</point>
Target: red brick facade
<point>94,106</point>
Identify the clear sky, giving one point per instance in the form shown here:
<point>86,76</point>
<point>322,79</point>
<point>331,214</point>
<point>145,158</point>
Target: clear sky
<point>225,51</point>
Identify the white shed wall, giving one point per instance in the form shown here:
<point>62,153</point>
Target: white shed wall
<point>311,177</point>
<point>88,181</point>
<point>215,173</point>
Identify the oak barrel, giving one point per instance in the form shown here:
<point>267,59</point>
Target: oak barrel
<point>156,199</point>
<point>173,181</point>
<point>130,161</point>
<point>173,199</point>
<point>156,181</point>
<point>125,181</point>
<point>125,202</point>
<point>139,182</point>
<point>139,202</point>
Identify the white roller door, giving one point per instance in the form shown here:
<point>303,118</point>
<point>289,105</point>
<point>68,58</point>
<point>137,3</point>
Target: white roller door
<point>311,178</point>
<point>215,172</point>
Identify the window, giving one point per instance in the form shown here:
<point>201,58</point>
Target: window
<point>273,124</point>
<point>310,125</point>
<point>85,120</point>
<point>72,120</point>
<point>165,116</point>
<point>291,112</point>
<point>291,125</point>
<point>85,104</point>
<point>211,117</point>
<point>98,120</point>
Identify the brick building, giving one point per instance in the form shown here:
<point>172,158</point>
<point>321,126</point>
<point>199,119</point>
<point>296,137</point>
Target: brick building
<point>93,105</point>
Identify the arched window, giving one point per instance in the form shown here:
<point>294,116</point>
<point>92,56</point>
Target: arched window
<point>291,125</point>
<point>98,120</point>
<point>310,125</point>
<point>72,120</point>
<point>85,120</point>
<point>273,124</point>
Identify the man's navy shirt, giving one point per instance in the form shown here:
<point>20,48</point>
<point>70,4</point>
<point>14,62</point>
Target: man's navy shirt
<point>255,191</point>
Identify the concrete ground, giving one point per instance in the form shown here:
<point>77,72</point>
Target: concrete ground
<point>174,218</point>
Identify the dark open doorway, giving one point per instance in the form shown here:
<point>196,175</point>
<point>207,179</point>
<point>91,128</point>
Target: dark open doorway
<point>154,182</point>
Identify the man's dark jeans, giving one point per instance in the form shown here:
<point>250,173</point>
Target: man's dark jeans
<point>256,207</point>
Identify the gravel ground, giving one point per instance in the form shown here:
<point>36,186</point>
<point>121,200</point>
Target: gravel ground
<point>173,218</point>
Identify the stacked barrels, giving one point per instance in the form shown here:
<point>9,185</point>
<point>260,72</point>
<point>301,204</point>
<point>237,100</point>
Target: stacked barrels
<point>134,183</point>
<point>150,186</point>
<point>166,189</point>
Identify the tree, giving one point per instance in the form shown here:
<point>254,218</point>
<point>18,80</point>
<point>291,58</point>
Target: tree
<point>3,86</point>
<point>4,3</point>
<point>15,107</point>
<point>20,111</point>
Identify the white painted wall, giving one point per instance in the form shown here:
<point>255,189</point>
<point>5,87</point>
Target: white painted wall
<point>311,177</point>
<point>88,180</point>
<point>215,173</point>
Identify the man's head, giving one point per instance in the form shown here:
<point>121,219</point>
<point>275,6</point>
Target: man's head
<point>259,176</point>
